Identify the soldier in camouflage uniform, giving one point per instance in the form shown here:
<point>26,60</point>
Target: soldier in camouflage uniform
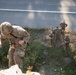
<point>67,41</point>
<point>63,25</point>
<point>57,36</point>
<point>52,39</point>
<point>18,39</point>
<point>57,33</point>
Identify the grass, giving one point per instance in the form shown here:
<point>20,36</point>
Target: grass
<point>43,57</point>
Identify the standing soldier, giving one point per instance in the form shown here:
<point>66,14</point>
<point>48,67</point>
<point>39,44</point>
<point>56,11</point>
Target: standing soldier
<point>52,39</point>
<point>63,25</point>
<point>67,41</point>
<point>57,36</point>
<point>18,39</point>
<point>57,33</point>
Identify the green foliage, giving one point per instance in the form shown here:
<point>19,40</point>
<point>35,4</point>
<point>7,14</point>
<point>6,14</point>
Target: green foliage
<point>3,51</point>
<point>75,58</point>
<point>70,69</point>
<point>41,56</point>
<point>34,55</point>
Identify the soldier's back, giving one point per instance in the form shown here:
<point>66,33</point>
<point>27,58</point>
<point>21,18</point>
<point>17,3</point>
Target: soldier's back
<point>19,31</point>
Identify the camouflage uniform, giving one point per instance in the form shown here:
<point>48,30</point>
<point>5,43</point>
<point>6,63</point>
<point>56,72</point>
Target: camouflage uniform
<point>52,39</point>
<point>14,34</point>
<point>63,25</point>
<point>57,36</point>
<point>57,33</point>
<point>67,41</point>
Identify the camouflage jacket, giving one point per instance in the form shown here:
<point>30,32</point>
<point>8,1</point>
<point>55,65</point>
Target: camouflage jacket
<point>18,34</point>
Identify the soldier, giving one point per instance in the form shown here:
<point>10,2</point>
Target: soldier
<point>52,39</point>
<point>57,36</point>
<point>67,41</point>
<point>63,25</point>
<point>57,33</point>
<point>18,39</point>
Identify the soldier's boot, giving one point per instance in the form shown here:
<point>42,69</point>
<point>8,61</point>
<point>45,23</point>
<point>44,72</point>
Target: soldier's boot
<point>18,60</point>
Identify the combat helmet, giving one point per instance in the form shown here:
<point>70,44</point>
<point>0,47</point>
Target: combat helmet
<point>6,27</point>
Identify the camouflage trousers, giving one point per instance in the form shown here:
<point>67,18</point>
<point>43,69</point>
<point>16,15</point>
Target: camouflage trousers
<point>15,56</point>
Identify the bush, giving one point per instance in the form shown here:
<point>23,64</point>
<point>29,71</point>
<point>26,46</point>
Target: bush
<point>3,52</point>
<point>34,55</point>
